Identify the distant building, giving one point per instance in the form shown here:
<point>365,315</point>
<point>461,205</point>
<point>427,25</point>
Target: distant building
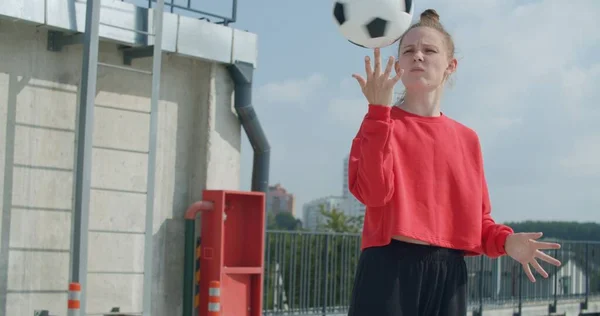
<point>279,200</point>
<point>312,217</point>
<point>351,206</point>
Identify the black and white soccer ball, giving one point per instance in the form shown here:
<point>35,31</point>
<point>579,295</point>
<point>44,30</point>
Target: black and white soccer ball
<point>373,23</point>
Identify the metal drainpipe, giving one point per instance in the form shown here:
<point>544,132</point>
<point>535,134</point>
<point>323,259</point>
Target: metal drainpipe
<point>241,73</point>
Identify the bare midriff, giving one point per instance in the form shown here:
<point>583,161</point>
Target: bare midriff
<point>410,240</point>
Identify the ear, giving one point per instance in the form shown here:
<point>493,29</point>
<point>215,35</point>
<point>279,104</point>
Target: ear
<point>452,66</point>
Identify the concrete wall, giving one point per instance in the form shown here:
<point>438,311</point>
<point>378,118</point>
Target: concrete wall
<point>198,148</point>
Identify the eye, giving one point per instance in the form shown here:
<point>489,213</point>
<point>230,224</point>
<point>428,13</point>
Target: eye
<point>431,50</point>
<point>408,51</point>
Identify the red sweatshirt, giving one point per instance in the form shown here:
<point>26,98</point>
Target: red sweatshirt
<point>422,177</point>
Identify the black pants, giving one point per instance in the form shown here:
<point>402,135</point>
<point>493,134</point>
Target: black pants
<point>404,279</point>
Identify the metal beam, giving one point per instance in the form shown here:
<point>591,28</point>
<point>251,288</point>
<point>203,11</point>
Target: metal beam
<point>149,229</point>
<point>87,98</point>
<point>57,40</point>
<point>131,53</point>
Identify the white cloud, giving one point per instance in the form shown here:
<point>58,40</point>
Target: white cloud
<point>580,92</point>
<point>526,82</point>
<point>514,48</point>
<point>584,159</point>
<point>527,79</point>
<point>347,112</point>
<point>347,106</point>
<point>344,103</point>
<point>294,90</point>
<point>523,64</point>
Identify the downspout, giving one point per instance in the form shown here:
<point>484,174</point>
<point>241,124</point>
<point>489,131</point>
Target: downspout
<point>241,74</point>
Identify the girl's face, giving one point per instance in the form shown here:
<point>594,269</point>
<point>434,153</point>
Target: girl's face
<point>423,55</point>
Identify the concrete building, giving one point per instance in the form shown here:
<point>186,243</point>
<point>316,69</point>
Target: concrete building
<point>279,200</point>
<point>133,261</point>
<point>311,211</point>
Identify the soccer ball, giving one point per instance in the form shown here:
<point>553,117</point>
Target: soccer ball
<point>373,23</point>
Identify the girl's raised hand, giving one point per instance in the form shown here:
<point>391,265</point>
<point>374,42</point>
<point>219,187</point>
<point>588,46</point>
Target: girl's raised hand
<point>378,87</point>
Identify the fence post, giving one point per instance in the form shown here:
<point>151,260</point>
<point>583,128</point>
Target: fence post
<point>552,306</point>
<point>481,274</point>
<point>479,310</point>
<point>325,273</point>
<point>584,305</point>
<point>518,313</point>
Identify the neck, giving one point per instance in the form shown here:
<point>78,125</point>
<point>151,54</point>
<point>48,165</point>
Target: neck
<point>423,104</point>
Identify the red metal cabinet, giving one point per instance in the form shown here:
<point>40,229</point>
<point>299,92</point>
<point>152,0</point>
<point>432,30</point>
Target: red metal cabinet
<point>233,251</point>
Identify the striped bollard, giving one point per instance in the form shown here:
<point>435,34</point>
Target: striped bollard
<point>214,298</point>
<point>74,296</point>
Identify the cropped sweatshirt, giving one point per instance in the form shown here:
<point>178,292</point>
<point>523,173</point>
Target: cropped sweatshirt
<point>423,177</point>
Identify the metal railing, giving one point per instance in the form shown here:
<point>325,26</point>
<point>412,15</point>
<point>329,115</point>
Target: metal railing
<point>189,8</point>
<point>312,273</point>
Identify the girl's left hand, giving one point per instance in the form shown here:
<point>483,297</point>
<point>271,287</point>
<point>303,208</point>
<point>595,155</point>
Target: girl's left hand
<point>524,248</point>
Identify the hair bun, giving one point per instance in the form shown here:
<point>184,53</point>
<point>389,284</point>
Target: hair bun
<point>430,14</point>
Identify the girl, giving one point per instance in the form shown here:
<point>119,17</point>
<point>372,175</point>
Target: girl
<point>421,176</point>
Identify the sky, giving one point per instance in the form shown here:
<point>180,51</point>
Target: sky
<point>525,83</point>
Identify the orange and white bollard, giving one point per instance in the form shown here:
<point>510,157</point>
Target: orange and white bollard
<point>214,298</point>
<point>74,296</point>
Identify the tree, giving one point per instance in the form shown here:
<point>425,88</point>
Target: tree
<point>338,222</point>
<point>561,230</point>
<point>283,221</point>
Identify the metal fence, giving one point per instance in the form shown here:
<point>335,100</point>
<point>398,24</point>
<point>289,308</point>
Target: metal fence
<point>312,273</point>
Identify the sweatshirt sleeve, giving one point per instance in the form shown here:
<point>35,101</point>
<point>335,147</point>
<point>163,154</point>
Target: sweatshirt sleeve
<point>493,235</point>
<point>370,174</point>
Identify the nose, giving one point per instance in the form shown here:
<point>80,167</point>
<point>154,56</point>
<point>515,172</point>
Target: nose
<point>418,56</point>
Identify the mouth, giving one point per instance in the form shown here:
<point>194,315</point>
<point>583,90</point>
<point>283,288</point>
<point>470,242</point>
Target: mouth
<point>417,69</point>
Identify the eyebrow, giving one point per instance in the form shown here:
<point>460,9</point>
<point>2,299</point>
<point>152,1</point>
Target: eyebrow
<point>411,46</point>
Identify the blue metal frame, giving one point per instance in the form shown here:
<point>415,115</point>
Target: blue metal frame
<point>83,172</point>
<point>194,12</point>
<point>149,226</point>
<point>84,146</point>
